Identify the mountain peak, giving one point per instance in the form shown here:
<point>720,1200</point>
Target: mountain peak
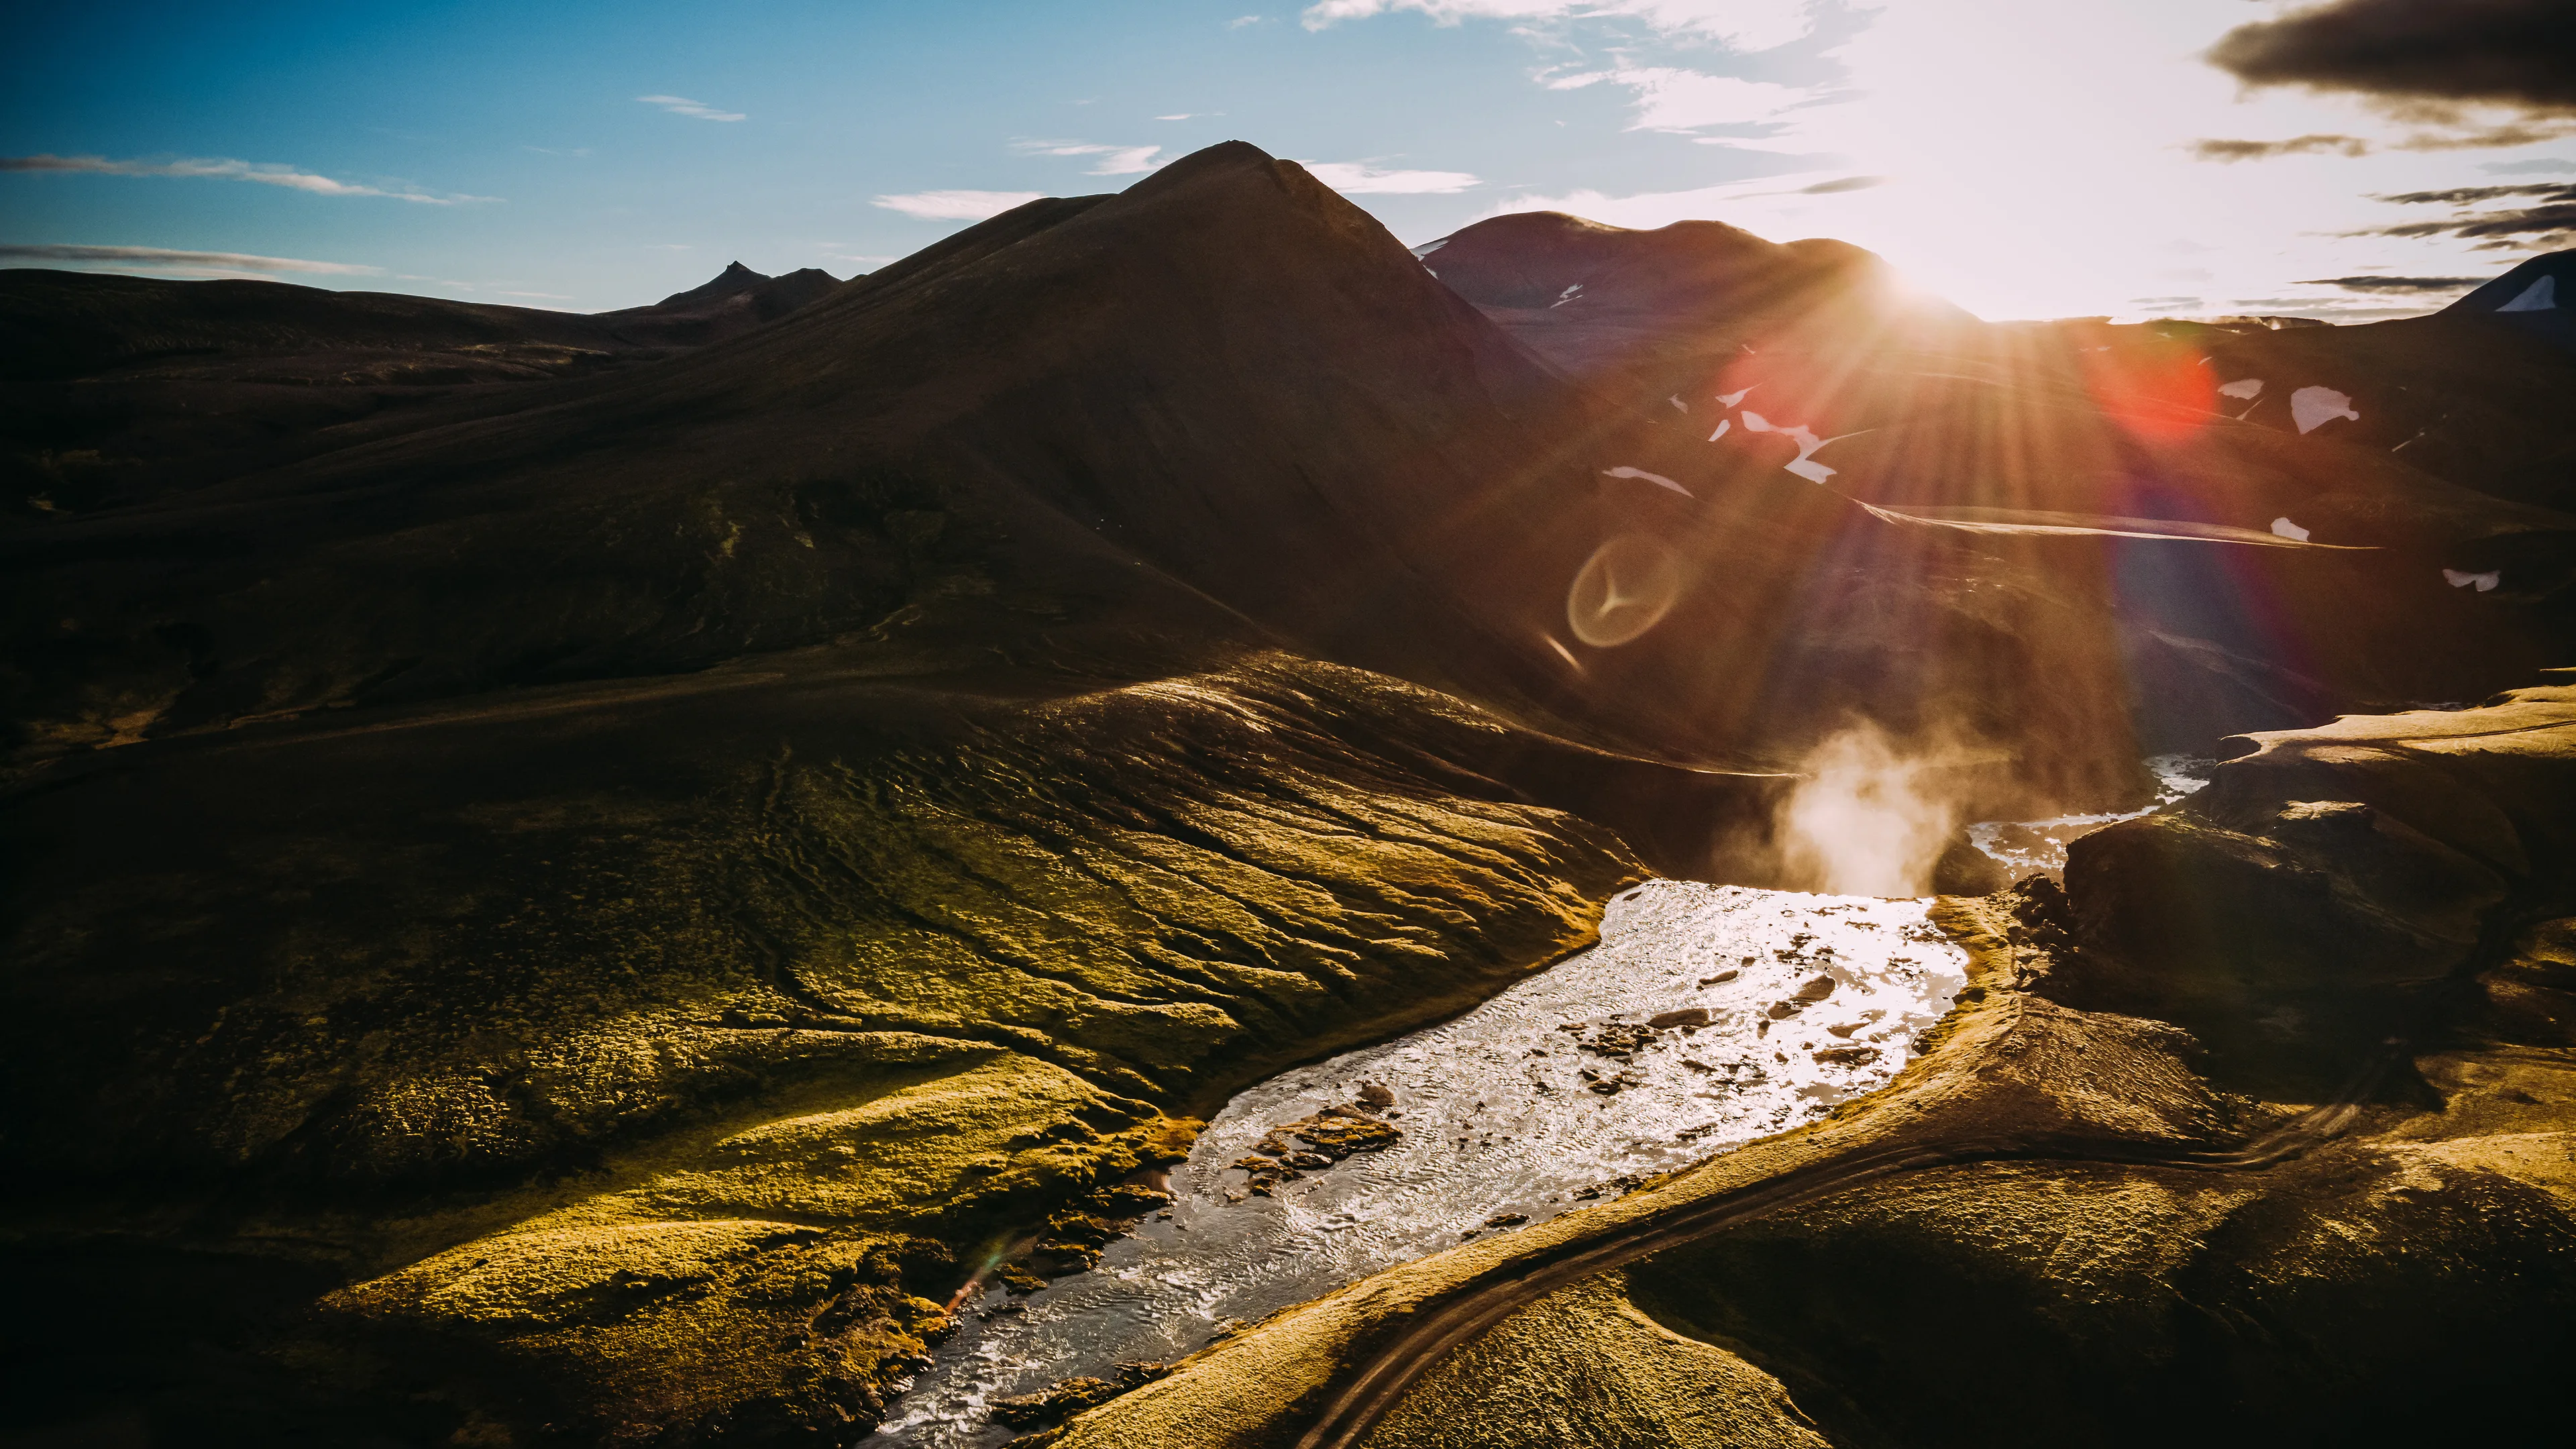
<point>734,278</point>
<point>2538,296</point>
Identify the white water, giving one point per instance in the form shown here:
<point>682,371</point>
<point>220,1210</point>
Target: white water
<point>1496,1118</point>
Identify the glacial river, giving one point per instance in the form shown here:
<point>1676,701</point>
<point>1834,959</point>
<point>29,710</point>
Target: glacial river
<point>1502,1111</point>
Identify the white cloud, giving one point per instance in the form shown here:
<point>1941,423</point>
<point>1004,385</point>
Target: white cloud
<point>165,259</point>
<point>266,173</point>
<point>956,205</point>
<point>2039,162</point>
<point>1114,160</point>
<point>1686,100</point>
<point>1651,209</point>
<point>683,106</point>
<point>1188,115</point>
<point>1358,178</point>
<point>1240,21</point>
<point>1741,25</point>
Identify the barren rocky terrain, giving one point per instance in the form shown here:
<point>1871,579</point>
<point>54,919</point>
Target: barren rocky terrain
<point>588,880</point>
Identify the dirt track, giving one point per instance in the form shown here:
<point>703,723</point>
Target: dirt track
<point>1351,1413</point>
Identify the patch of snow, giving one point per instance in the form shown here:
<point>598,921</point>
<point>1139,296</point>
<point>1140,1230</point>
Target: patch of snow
<point>2484,582</point>
<point>2540,296</point>
<point>2286,529</point>
<point>2314,407</point>
<point>1678,405</point>
<point>1735,398</point>
<point>1427,248</point>
<point>2244,387</point>
<point>1805,437</point>
<point>1658,479</point>
<point>1722,426</point>
<point>1565,296</point>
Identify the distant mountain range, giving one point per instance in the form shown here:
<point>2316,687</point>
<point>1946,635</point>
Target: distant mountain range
<point>1226,394</point>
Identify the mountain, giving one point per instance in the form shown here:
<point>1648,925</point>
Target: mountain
<point>2536,297</point>
<point>734,300</point>
<point>2078,449</point>
<point>1629,311</point>
<point>598,900</point>
<point>117,390</point>
<point>1347,456</point>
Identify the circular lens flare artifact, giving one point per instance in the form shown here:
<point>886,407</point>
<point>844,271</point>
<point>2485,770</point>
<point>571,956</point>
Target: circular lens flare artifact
<point>1623,590</point>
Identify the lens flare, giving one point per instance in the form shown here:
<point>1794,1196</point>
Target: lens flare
<point>1626,588</point>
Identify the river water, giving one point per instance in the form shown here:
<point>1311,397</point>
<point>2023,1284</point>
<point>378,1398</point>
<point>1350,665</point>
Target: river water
<point>1502,1111</point>
<point>2025,847</point>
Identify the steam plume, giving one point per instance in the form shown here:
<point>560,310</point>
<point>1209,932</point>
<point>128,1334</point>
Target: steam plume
<point>1867,820</point>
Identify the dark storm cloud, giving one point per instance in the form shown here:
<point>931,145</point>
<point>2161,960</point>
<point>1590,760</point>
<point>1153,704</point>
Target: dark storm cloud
<point>2396,284</point>
<point>2263,150</point>
<point>2520,52</point>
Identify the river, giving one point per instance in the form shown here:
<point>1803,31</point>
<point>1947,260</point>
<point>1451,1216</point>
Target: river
<point>1555,1093</point>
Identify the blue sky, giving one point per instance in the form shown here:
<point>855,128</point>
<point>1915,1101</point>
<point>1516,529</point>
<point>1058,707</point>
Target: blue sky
<point>2024,158</point>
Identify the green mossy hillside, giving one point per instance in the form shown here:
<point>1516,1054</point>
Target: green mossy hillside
<point>639,1065</point>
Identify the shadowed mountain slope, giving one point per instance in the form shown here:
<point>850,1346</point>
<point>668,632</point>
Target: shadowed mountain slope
<point>1228,394</point>
<point>2085,453</point>
<point>2537,297</point>
<point>119,390</point>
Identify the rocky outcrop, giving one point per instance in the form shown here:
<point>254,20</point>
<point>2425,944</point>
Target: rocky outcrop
<point>2333,881</point>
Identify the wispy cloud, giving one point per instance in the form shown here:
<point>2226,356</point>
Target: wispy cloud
<point>1240,21</point>
<point>225,169</point>
<point>1683,101</point>
<point>1741,25</point>
<point>1662,208</point>
<point>956,205</point>
<point>575,152</point>
<point>2397,285</point>
<point>2309,145</point>
<point>1188,115</point>
<point>683,106</point>
<point>1114,160</point>
<point>2495,218</point>
<point>2449,130</point>
<point>165,259</point>
<point>1358,178</point>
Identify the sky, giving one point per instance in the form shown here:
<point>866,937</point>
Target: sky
<point>2023,158</point>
